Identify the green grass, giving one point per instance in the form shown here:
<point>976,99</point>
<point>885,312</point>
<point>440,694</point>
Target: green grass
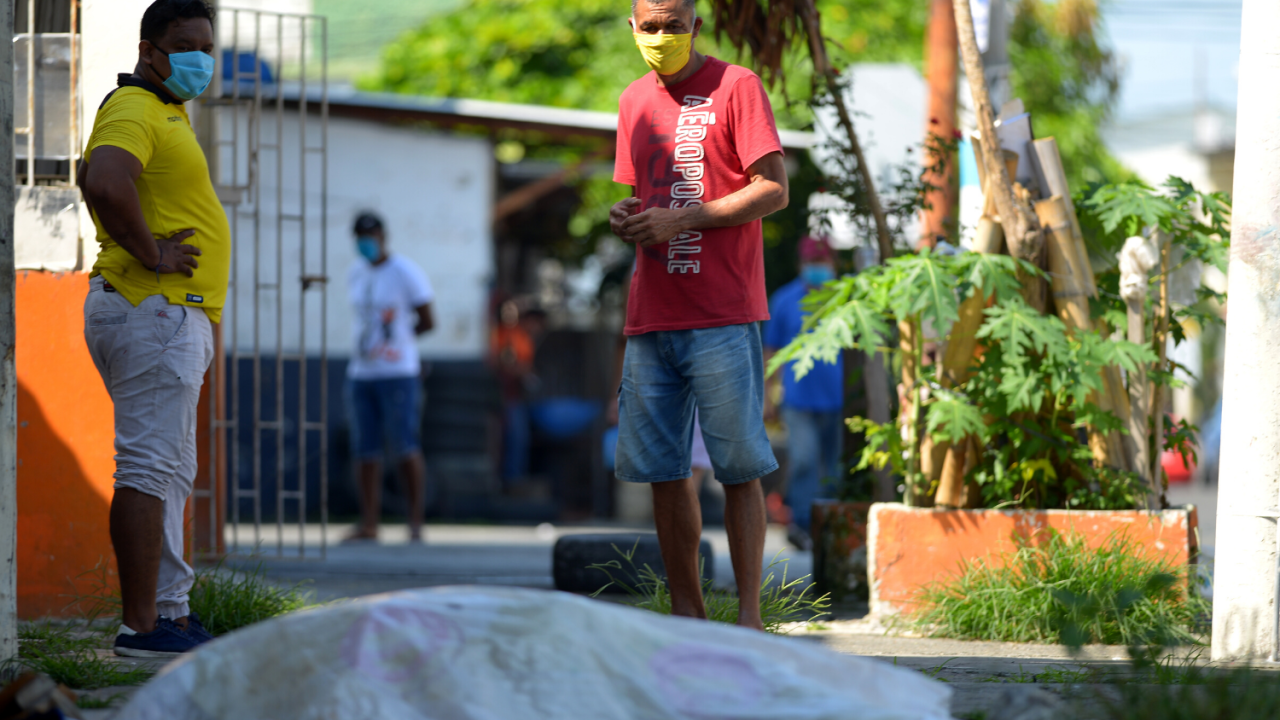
<point>1062,591</point>
<point>74,653</point>
<point>788,601</point>
<point>1068,676</point>
<point>70,654</point>
<point>1242,694</point>
<point>227,601</point>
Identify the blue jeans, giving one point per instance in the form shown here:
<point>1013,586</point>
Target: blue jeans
<point>515,440</point>
<point>813,448</point>
<point>384,412</point>
<point>665,375</point>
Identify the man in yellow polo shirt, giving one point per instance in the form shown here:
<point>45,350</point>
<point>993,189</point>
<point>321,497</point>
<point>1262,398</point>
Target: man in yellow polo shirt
<point>160,279</point>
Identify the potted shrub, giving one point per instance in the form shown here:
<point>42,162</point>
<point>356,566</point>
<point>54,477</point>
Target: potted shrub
<point>1033,426</point>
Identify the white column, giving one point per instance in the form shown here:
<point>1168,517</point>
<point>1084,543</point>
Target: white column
<point>8,376</point>
<point>109,34</point>
<point>1245,555</point>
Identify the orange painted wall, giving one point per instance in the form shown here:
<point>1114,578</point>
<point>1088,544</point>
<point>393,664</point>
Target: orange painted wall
<point>65,449</point>
<point>909,548</point>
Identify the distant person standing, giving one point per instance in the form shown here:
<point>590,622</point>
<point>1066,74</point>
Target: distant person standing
<point>159,280</point>
<point>812,405</point>
<point>698,145</point>
<point>391,305</point>
<point>513,346</point>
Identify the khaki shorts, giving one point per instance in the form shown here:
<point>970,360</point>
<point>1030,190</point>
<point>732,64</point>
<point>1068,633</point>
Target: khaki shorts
<point>152,359</point>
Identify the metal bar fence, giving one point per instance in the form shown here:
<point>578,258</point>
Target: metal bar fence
<point>248,119</point>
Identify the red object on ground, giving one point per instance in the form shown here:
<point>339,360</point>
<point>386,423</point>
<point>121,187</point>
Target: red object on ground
<point>1174,467</point>
<point>777,509</point>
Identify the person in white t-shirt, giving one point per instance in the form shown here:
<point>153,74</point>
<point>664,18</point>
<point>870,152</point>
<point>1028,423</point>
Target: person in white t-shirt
<point>391,305</point>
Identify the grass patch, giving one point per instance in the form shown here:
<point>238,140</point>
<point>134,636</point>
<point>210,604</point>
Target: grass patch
<point>1241,694</point>
<point>70,654</point>
<point>1062,591</point>
<point>788,601</point>
<point>227,601</point>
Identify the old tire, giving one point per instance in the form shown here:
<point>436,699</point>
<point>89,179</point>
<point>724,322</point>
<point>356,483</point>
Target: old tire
<point>574,555</point>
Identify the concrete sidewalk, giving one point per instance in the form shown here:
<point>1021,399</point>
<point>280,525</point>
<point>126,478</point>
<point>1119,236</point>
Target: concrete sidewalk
<point>452,555</point>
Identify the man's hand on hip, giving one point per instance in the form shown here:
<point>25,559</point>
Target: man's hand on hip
<point>176,257</point>
<point>652,227</point>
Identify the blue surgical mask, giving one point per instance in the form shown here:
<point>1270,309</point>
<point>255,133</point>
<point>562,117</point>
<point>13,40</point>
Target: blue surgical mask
<point>815,275</point>
<point>191,74</point>
<point>369,248</point>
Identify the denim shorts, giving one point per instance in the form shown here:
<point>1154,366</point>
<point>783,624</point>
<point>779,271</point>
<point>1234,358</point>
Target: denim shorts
<point>384,415</point>
<point>666,374</point>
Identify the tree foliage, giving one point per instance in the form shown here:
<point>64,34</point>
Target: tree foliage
<point>1030,394</point>
<point>1068,78</point>
<point>580,53</point>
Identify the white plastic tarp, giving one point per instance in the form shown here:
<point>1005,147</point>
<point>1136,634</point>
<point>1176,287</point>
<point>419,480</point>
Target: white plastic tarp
<point>472,653</point>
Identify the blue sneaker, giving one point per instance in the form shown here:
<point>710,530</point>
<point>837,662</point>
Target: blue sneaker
<point>197,630</point>
<point>167,640</point>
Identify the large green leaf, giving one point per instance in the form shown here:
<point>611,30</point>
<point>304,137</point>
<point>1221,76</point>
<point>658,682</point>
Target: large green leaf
<point>1023,388</point>
<point>950,418</point>
<point>1133,206</point>
<point>1020,329</point>
<point>993,274</point>
<point>855,323</point>
<point>927,289</point>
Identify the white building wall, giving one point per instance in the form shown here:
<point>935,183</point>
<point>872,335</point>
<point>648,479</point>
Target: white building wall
<point>1155,164</point>
<point>888,102</point>
<point>434,192</point>
<point>53,230</point>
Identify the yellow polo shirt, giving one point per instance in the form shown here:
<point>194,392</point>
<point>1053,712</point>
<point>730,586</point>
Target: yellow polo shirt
<point>176,193</point>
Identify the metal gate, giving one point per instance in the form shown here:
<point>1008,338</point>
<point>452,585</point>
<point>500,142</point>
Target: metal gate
<point>264,126</point>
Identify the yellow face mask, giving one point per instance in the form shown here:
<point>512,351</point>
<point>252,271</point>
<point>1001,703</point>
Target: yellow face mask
<point>666,54</point>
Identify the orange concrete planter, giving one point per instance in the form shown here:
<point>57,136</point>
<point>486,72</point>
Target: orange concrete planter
<point>908,548</point>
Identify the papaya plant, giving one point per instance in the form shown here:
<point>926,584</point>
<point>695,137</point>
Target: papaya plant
<point>1025,407</point>
<point>1026,403</point>
<point>1197,226</point>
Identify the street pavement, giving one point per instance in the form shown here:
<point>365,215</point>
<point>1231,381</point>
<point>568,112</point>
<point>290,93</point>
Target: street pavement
<point>451,555</point>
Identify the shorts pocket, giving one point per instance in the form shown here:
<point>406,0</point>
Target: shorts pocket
<point>104,319</point>
<point>170,323</point>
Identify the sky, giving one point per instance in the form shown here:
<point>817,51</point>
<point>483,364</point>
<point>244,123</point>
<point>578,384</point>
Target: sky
<point>1172,51</point>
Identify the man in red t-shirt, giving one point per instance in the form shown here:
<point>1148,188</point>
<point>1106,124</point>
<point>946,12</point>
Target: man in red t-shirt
<point>698,146</point>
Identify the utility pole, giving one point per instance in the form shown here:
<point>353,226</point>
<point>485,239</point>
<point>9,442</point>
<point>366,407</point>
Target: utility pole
<point>942,54</point>
<point>1245,559</point>
<point>8,373</point>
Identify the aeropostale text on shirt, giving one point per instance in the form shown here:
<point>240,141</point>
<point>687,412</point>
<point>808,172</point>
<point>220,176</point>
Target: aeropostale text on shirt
<point>689,162</point>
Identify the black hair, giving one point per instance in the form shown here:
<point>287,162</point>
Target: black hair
<point>161,14</point>
<point>367,222</point>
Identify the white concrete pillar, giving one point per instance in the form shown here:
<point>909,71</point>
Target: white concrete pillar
<point>1249,484</point>
<point>8,375</point>
<point>109,35</point>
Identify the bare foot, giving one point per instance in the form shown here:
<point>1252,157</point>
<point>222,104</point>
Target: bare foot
<point>754,624</point>
<point>415,535</point>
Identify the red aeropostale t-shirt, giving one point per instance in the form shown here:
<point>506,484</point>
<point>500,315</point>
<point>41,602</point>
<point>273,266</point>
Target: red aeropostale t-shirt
<point>681,146</point>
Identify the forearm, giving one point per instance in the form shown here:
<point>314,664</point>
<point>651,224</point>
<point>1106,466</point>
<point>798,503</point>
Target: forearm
<point>760,198</point>
<point>120,213</point>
